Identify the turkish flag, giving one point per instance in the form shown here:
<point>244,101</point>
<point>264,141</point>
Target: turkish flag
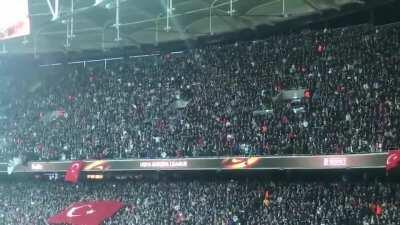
<point>393,160</point>
<point>73,171</point>
<point>307,93</point>
<point>86,213</point>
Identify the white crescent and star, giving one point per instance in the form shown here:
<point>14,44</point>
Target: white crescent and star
<point>71,211</point>
<point>391,157</point>
<point>75,166</point>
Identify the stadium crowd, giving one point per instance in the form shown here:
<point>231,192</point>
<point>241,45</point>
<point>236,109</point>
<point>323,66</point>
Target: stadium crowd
<point>209,202</point>
<point>201,102</point>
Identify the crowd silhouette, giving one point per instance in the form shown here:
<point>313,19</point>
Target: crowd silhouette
<point>201,102</point>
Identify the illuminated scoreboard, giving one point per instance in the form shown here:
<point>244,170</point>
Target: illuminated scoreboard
<point>14,19</point>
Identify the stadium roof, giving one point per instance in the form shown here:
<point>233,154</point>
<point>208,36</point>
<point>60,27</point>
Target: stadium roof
<point>155,21</point>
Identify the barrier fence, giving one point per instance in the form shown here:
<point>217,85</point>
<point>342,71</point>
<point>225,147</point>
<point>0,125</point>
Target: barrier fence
<point>223,163</point>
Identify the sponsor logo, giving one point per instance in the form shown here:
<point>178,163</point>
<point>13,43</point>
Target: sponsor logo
<point>240,163</point>
<point>164,164</point>
<point>335,161</point>
<point>98,165</point>
<point>37,166</point>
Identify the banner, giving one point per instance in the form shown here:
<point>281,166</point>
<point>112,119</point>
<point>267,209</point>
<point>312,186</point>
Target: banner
<point>73,172</point>
<point>291,94</point>
<point>180,104</point>
<point>320,162</point>
<point>86,213</point>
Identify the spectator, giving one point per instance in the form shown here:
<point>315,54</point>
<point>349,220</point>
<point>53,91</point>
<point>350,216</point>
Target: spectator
<point>201,102</point>
<point>208,202</point>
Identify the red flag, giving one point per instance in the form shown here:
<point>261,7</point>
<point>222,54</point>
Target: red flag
<point>393,160</point>
<point>266,199</point>
<point>378,210</point>
<point>73,171</point>
<point>86,213</point>
<point>321,48</point>
<point>307,93</point>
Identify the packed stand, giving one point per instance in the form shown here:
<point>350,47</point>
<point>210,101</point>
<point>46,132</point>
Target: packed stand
<point>201,102</point>
<point>209,202</point>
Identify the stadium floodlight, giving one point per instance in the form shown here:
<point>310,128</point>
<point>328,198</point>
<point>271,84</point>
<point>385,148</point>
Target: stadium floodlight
<point>14,19</point>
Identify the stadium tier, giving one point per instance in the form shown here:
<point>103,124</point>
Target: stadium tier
<point>334,91</point>
<point>202,202</point>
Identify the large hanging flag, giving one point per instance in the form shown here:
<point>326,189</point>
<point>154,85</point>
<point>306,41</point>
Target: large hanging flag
<point>393,160</point>
<point>86,213</point>
<point>73,172</point>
